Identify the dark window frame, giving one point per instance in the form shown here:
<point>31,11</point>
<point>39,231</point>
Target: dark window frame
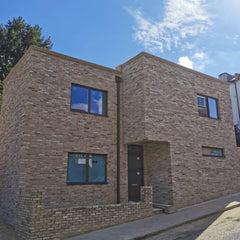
<point>87,168</point>
<point>105,100</point>
<point>207,106</point>
<point>209,155</point>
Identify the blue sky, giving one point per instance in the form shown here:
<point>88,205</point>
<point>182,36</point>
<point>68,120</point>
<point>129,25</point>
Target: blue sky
<point>202,35</point>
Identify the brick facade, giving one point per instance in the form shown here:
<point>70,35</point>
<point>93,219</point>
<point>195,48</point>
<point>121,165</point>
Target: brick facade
<point>158,111</point>
<point>158,171</point>
<point>38,222</point>
<point>161,100</point>
<point>54,131</point>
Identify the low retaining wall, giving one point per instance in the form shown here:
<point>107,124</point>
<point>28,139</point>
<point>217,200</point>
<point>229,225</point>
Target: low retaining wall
<point>37,222</point>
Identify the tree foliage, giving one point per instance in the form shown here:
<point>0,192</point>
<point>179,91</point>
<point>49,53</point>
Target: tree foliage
<point>15,38</point>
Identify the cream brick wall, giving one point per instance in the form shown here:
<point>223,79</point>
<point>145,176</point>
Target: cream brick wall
<point>37,222</point>
<point>158,110</point>
<point>53,130</point>
<point>12,124</point>
<point>163,108</point>
<point>157,166</point>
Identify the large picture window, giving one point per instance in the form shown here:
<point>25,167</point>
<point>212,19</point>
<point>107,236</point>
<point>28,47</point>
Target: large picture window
<point>207,107</point>
<point>86,168</point>
<point>84,99</point>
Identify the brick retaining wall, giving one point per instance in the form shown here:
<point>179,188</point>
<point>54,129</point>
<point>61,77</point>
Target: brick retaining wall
<point>37,222</point>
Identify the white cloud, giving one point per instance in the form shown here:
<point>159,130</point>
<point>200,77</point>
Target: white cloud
<point>186,62</point>
<point>200,60</point>
<point>233,39</point>
<point>188,46</point>
<point>199,55</point>
<point>80,106</point>
<point>182,19</point>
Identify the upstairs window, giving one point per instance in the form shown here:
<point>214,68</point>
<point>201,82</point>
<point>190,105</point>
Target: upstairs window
<point>212,152</point>
<point>89,100</point>
<point>207,107</point>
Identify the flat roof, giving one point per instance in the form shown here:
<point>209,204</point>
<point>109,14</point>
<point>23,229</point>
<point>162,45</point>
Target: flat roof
<point>118,71</point>
<point>170,63</point>
<point>62,56</point>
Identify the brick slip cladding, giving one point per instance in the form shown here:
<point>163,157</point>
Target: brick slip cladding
<point>158,171</point>
<point>52,130</point>
<point>38,129</point>
<point>37,222</point>
<point>158,110</point>
<point>12,122</point>
<point>161,106</point>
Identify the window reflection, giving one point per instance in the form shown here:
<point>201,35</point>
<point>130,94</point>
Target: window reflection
<point>86,168</point>
<point>89,100</point>
<point>96,102</point>
<point>96,168</point>
<point>207,107</point>
<point>79,98</point>
<point>212,105</point>
<point>76,168</point>
<point>215,152</point>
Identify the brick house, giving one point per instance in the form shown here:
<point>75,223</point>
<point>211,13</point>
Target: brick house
<point>84,146</point>
<point>234,88</point>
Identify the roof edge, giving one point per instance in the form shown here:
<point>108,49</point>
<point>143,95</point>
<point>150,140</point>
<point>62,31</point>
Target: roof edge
<point>62,56</point>
<point>18,64</point>
<point>171,63</point>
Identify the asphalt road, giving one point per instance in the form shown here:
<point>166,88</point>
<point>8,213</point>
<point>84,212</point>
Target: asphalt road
<point>225,226</point>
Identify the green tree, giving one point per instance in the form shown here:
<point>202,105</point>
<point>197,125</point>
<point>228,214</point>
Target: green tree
<point>15,38</point>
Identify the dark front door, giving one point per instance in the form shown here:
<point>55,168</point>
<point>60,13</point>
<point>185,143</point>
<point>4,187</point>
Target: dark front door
<point>135,172</point>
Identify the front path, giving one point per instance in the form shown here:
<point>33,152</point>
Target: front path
<point>225,226</point>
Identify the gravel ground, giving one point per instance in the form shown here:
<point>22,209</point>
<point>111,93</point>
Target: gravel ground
<point>6,232</point>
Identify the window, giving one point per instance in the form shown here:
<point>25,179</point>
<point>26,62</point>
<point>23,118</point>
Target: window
<point>84,99</point>
<point>212,152</point>
<point>207,107</point>
<point>86,168</point>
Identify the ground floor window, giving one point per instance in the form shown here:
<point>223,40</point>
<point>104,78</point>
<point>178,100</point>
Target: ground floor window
<point>212,152</point>
<point>85,168</point>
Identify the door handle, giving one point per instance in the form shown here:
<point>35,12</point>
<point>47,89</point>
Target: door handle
<point>138,173</point>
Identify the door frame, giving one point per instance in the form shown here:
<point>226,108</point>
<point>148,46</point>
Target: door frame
<point>141,170</point>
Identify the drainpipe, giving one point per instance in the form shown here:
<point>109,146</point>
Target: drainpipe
<point>118,81</point>
<point>236,129</point>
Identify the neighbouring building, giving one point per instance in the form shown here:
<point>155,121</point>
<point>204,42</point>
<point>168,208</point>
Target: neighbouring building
<point>84,146</point>
<point>234,88</point>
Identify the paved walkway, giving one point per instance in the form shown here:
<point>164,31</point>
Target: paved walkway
<point>219,226</point>
<point>162,222</point>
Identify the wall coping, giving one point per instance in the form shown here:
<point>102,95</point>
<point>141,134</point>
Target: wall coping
<point>145,54</point>
<point>62,56</point>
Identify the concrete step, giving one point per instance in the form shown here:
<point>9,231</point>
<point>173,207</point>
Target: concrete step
<point>166,208</point>
<point>157,210</point>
